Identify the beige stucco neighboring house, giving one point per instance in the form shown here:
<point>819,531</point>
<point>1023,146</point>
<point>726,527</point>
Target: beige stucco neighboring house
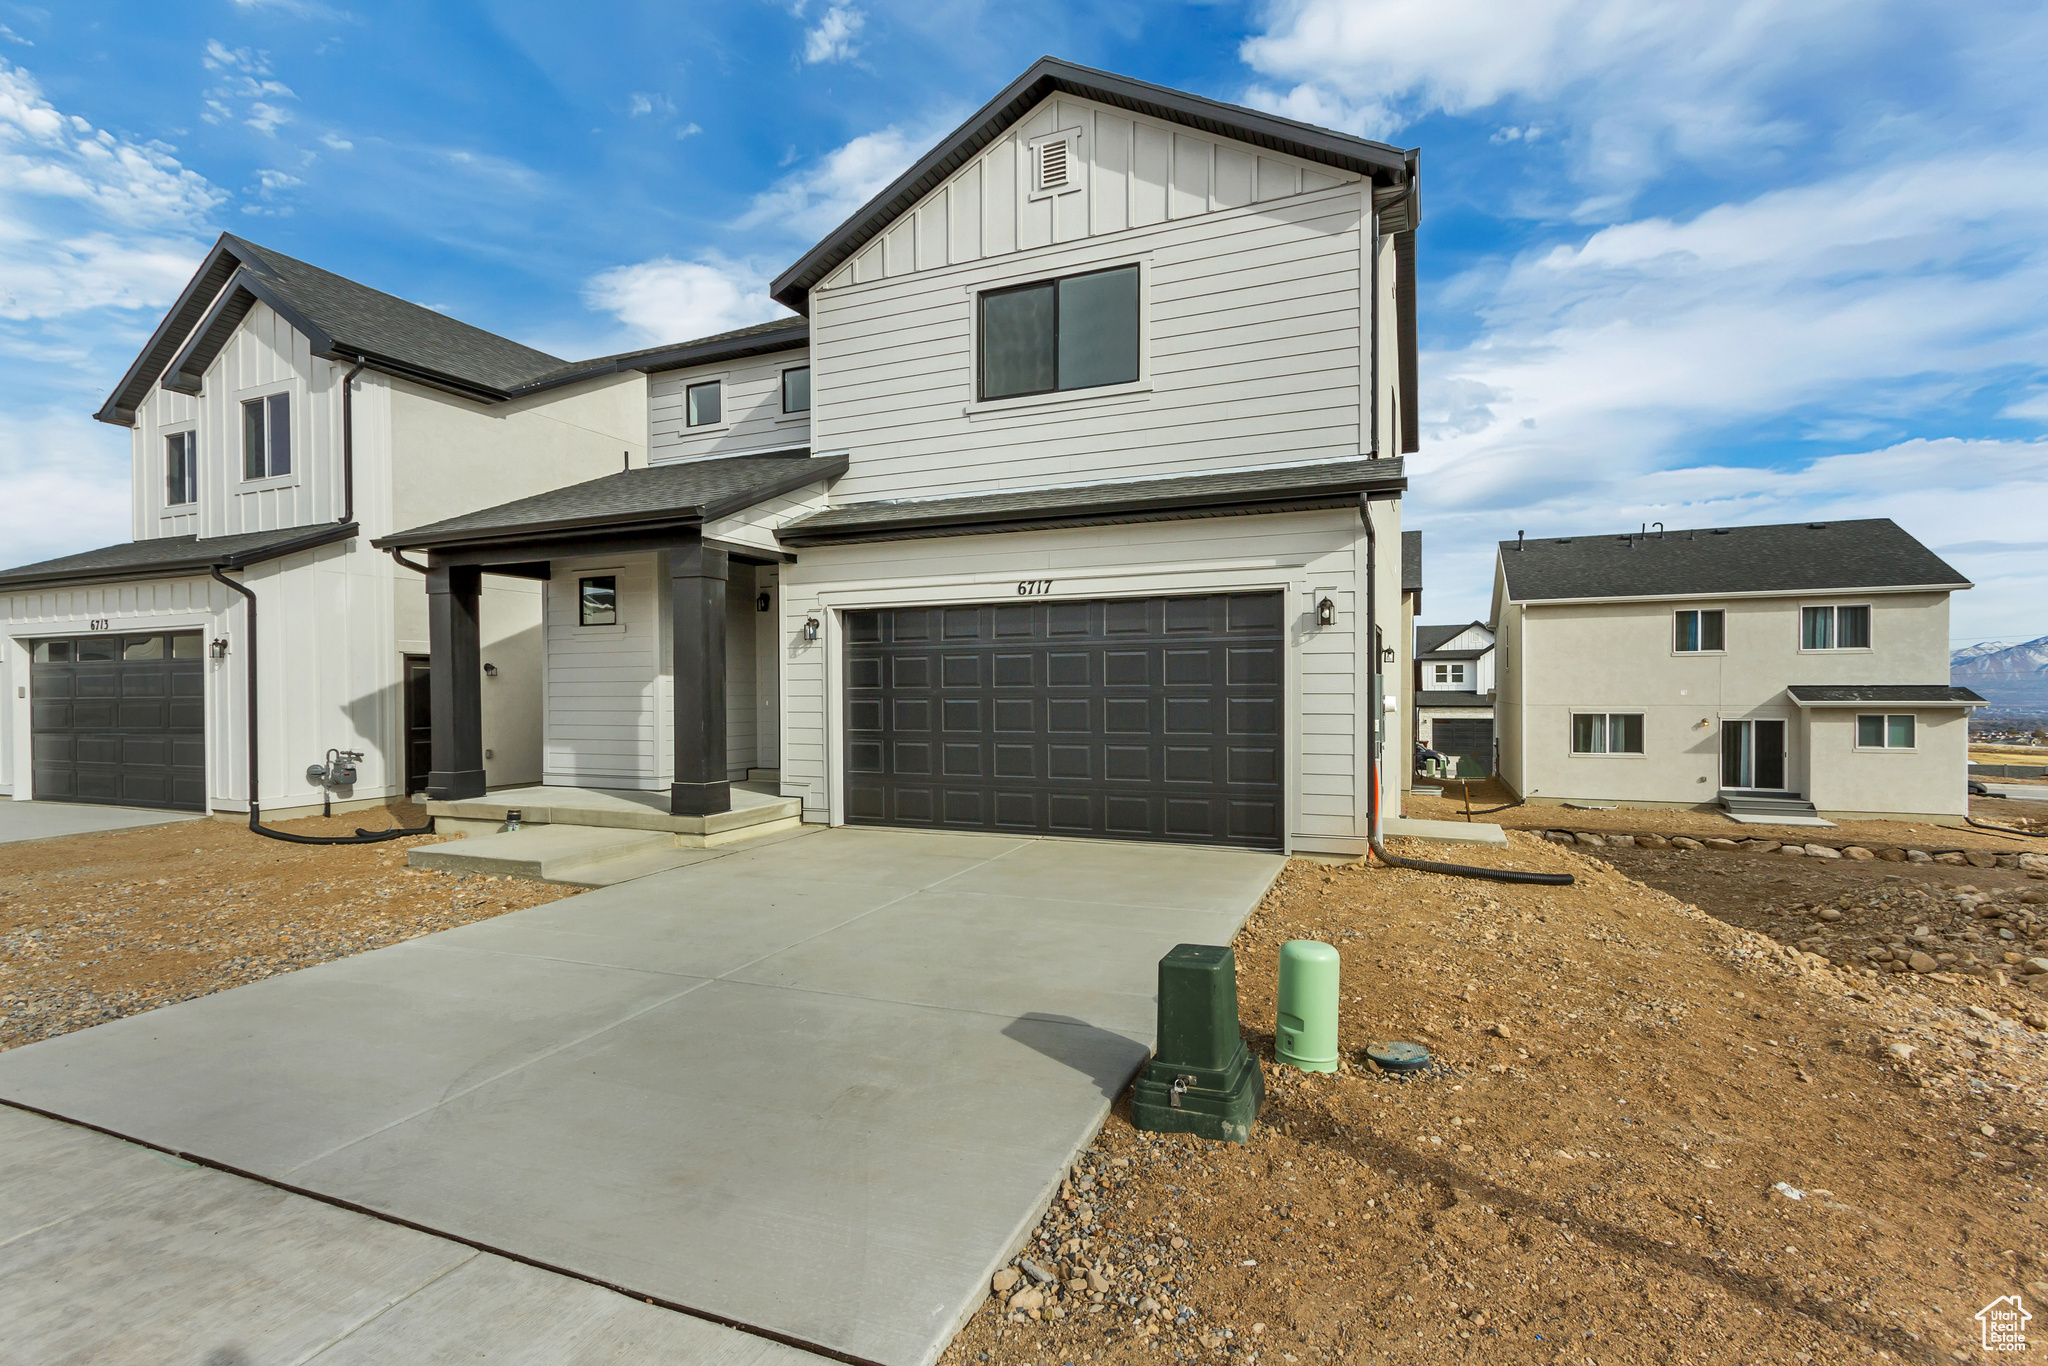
<point>1795,669</point>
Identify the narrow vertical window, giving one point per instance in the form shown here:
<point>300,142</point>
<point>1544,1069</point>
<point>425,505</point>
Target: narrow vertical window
<point>181,468</point>
<point>1817,628</point>
<point>267,436</point>
<point>279,407</point>
<point>703,404</point>
<point>1898,732</point>
<point>252,439</point>
<point>796,390</point>
<point>1852,628</point>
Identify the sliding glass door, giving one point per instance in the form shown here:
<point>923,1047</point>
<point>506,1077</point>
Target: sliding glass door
<point>1753,755</point>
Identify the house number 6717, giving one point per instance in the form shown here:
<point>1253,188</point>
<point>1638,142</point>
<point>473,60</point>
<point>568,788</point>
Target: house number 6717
<point>1034,587</point>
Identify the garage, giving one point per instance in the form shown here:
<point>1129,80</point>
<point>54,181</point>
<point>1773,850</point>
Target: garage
<point>1468,739</point>
<point>1124,718</point>
<point>119,719</point>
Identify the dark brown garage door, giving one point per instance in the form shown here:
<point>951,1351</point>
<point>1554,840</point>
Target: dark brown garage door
<point>1132,718</point>
<point>120,720</point>
<point>1468,739</point>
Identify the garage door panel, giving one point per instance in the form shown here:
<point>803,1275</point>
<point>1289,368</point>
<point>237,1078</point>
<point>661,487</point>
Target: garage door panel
<point>1142,718</point>
<point>95,715</point>
<point>96,683</point>
<point>124,726</point>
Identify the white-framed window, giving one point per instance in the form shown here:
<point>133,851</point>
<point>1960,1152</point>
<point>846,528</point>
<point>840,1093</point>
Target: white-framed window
<point>1700,631</point>
<point>704,403</point>
<point>267,436</point>
<point>1596,732</point>
<point>1074,332</point>
<point>796,389</point>
<point>597,600</point>
<point>1834,628</point>
<point>1885,732</point>
<point>181,469</point>
<point>1447,675</point>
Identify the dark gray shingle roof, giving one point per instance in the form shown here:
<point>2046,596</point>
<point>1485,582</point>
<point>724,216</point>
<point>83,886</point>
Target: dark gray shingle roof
<point>1428,638</point>
<point>780,335</point>
<point>1334,483</point>
<point>166,555</point>
<point>1793,557</point>
<point>1411,562</point>
<point>1452,699</point>
<point>1899,693</point>
<point>680,492</point>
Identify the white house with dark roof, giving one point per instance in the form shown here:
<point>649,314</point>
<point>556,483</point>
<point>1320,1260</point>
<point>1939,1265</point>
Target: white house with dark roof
<point>1773,670</point>
<point>1070,505</point>
<point>1454,689</point>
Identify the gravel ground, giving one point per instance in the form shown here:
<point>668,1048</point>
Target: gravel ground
<point>1650,1136</point>
<point>94,927</point>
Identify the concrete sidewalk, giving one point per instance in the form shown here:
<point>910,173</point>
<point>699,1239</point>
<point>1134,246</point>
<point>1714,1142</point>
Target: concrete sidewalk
<point>821,1088</point>
<point>26,820</point>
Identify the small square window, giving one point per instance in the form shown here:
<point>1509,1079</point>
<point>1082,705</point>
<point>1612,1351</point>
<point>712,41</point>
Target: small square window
<point>796,390</point>
<point>1852,628</point>
<point>98,649</point>
<point>186,646</point>
<point>143,647</point>
<point>267,437</point>
<point>1898,732</point>
<point>597,601</point>
<point>704,404</point>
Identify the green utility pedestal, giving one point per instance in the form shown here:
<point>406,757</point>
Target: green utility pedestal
<point>1305,1033</point>
<point>1202,1080</point>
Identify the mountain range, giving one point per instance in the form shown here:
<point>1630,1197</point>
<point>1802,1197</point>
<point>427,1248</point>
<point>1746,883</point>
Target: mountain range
<point>2013,678</point>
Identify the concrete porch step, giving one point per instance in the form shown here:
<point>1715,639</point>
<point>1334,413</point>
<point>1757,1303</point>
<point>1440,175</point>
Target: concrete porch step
<point>551,853</point>
<point>756,808</point>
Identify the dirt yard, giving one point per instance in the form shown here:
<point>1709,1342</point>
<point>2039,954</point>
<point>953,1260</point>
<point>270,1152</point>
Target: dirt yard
<point>94,927</point>
<point>1650,1136</point>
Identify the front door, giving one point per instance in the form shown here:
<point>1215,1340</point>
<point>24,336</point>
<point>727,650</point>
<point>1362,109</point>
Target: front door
<point>1753,755</point>
<point>419,727</point>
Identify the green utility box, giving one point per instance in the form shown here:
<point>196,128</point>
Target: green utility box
<point>1305,1033</point>
<point>1202,1080</point>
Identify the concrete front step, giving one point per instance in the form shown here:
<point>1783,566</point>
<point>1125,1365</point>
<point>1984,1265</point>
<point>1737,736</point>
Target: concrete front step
<point>755,810</point>
<point>548,853</point>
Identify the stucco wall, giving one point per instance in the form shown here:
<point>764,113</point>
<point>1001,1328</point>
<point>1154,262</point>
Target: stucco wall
<point>1931,778</point>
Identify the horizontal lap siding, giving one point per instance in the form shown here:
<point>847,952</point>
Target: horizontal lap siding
<point>752,410</point>
<point>602,720</point>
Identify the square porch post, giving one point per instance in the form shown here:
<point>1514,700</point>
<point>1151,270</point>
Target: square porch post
<point>697,575</point>
<point>455,685</point>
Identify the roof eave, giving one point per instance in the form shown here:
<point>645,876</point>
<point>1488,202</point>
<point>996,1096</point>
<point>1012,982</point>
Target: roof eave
<point>1744,593</point>
<point>180,568</point>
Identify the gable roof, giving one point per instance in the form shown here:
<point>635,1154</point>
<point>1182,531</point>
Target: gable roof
<point>1411,562</point>
<point>677,493</point>
<point>1795,557</point>
<point>166,556</point>
<point>346,321</point>
<point>1430,639</point>
<point>1048,76</point>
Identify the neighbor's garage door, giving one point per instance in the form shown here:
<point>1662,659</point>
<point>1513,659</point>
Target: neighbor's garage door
<point>1468,739</point>
<point>119,719</point>
<point>1133,718</point>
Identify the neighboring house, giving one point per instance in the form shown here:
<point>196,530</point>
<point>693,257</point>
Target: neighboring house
<point>1770,669</point>
<point>1454,690</point>
<point>1411,609</point>
<point>1057,516</point>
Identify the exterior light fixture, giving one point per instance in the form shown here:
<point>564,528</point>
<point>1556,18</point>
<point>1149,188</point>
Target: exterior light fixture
<point>220,647</point>
<point>490,671</point>
<point>1326,613</point>
<point>810,628</point>
<point>1386,654</point>
<point>763,603</point>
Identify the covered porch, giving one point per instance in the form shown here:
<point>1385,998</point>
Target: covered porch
<point>662,649</point>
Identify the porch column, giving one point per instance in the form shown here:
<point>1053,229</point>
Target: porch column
<point>696,580</point>
<point>455,686</point>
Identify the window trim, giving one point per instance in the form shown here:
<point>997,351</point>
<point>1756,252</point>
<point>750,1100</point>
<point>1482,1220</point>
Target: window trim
<point>1455,666</point>
<point>976,294</point>
<point>1885,719</point>
<point>782,395</point>
<point>1835,629</point>
<point>723,380</point>
<point>294,408</point>
<point>1701,612</point>
<point>189,430</point>
<point>617,621</point>
<point>1606,729</point>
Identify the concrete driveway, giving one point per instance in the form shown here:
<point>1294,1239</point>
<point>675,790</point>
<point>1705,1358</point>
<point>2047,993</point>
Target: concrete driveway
<point>50,820</point>
<point>818,1088</point>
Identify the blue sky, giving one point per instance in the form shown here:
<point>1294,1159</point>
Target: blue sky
<point>1704,265</point>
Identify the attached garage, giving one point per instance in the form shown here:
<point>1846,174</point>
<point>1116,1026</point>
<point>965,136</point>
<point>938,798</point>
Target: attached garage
<point>1470,739</point>
<point>119,719</point>
<point>1156,718</point>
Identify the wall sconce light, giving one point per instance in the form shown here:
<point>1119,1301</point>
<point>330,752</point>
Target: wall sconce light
<point>810,628</point>
<point>1386,654</point>
<point>1326,613</point>
<point>220,647</point>
<point>490,671</point>
<point>763,603</point>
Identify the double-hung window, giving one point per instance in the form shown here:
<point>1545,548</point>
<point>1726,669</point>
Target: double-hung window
<point>181,468</point>
<point>1834,628</point>
<point>1080,332</point>
<point>1884,732</point>
<point>267,436</point>
<point>1701,632</point>
<point>796,389</point>
<point>704,404</point>
<point>1607,732</point>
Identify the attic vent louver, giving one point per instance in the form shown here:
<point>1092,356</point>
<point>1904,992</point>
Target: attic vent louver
<point>1052,164</point>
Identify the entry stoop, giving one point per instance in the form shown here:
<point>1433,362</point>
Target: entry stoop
<point>580,855</point>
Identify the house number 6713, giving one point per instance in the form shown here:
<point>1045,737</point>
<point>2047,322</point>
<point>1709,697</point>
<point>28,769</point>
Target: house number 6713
<point>1034,587</point>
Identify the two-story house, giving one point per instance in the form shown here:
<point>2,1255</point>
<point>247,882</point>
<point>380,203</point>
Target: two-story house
<point>1454,688</point>
<point>280,416</point>
<point>1106,398</point>
<point>1771,670</point>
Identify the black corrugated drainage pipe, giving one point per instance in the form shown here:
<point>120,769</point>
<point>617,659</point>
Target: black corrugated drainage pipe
<point>1372,748</point>
<point>361,836</point>
<point>2030,834</point>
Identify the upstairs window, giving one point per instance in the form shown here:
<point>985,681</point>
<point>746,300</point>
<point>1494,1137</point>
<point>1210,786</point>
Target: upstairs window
<point>181,468</point>
<point>1884,732</point>
<point>1607,732</point>
<point>267,437</point>
<point>1834,628</point>
<point>704,404</point>
<point>1700,632</point>
<point>796,389</point>
<point>1080,332</point>
<point>1448,675</point>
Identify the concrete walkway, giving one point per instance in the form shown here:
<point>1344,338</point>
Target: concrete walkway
<point>50,820</point>
<point>820,1088</point>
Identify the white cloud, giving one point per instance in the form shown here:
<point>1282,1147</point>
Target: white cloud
<point>244,75</point>
<point>334,142</point>
<point>688,130</point>
<point>66,483</point>
<point>666,300</point>
<point>266,118</point>
<point>834,36</point>
<point>813,201</point>
<point>639,104</point>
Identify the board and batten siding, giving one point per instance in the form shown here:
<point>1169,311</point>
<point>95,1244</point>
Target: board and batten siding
<point>751,410</point>
<point>1251,353</point>
<point>1303,555</point>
